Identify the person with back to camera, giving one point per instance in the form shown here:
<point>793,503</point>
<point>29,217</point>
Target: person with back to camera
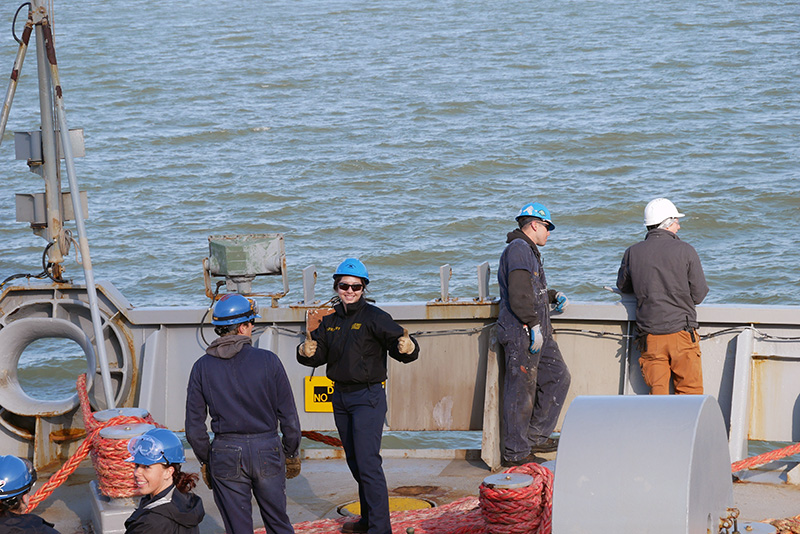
<point>666,276</point>
<point>537,379</point>
<point>168,505</point>
<point>354,342</point>
<point>246,392</point>
<point>17,477</point>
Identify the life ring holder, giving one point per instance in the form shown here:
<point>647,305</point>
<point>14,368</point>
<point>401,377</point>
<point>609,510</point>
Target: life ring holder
<point>14,339</point>
<point>73,311</point>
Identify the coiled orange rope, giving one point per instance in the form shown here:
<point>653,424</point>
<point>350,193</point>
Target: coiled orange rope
<point>117,477</point>
<point>114,475</point>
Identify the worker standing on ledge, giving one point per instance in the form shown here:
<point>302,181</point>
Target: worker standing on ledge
<point>354,342</point>
<point>666,276</point>
<point>537,379</point>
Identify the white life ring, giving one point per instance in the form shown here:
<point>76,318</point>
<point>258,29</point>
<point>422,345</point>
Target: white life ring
<point>14,338</point>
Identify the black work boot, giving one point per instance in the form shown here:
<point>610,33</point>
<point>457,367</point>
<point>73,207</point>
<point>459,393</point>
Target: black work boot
<point>355,527</point>
<point>548,445</point>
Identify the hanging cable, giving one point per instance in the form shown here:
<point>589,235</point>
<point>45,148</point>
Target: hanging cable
<point>210,307</point>
<point>14,23</point>
<point>46,268</point>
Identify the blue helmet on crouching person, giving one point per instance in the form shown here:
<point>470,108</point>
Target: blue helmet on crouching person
<point>17,477</point>
<point>234,309</point>
<point>351,267</point>
<point>156,446</point>
<point>537,211</point>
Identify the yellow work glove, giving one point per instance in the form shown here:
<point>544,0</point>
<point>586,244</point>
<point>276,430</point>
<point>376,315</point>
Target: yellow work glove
<point>309,347</point>
<point>204,472</point>
<point>404,343</point>
<point>292,467</point>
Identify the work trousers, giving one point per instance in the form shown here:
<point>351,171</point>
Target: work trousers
<point>673,355</point>
<point>359,417</point>
<point>245,463</point>
<point>534,391</point>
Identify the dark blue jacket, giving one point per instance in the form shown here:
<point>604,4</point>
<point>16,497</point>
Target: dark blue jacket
<point>354,344</point>
<point>25,523</point>
<point>524,299</point>
<point>248,393</point>
<point>168,512</point>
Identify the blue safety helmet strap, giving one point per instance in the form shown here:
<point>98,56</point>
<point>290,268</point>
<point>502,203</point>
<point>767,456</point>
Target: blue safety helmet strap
<point>535,209</point>
<point>234,309</point>
<point>352,267</point>
<point>156,446</point>
<point>17,476</point>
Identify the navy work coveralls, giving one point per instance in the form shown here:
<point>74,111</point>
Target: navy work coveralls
<point>535,385</point>
<point>354,343</point>
<point>247,393</point>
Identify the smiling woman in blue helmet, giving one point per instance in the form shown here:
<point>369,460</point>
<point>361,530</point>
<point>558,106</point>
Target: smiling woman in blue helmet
<point>168,505</point>
<point>354,342</point>
<point>17,476</point>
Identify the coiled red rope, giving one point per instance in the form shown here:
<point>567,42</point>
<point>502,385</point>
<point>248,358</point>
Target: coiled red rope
<point>114,475</point>
<point>520,510</point>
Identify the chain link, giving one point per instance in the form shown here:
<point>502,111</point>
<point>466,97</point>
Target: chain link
<point>729,521</point>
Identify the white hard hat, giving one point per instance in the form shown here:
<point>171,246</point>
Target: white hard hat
<point>659,210</point>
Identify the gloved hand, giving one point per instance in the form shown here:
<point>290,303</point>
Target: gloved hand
<point>404,343</point>
<point>309,347</point>
<point>204,472</point>
<point>292,467</point>
<point>561,302</point>
<point>536,339</point>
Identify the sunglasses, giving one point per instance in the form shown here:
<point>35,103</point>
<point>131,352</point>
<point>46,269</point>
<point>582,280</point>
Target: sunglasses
<point>354,287</point>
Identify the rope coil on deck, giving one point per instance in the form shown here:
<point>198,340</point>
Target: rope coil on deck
<point>114,475</point>
<point>520,510</point>
<point>119,482</point>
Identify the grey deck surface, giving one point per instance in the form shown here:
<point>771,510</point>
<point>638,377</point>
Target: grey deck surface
<point>324,484</point>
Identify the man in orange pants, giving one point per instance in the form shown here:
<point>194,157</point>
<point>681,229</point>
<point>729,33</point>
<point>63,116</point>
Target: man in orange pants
<point>666,276</point>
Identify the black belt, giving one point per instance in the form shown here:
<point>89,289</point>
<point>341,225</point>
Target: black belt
<point>237,435</point>
<point>350,388</point>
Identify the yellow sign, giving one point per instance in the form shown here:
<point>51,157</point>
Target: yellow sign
<point>319,390</point>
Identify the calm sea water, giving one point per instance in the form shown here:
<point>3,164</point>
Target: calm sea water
<point>410,133</point>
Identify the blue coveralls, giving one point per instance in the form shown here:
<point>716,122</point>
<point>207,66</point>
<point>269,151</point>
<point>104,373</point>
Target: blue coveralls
<point>535,385</point>
<point>247,395</point>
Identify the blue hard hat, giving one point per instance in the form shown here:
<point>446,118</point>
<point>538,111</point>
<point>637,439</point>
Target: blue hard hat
<point>535,209</point>
<point>17,476</point>
<point>156,446</point>
<point>352,267</point>
<point>233,308</point>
